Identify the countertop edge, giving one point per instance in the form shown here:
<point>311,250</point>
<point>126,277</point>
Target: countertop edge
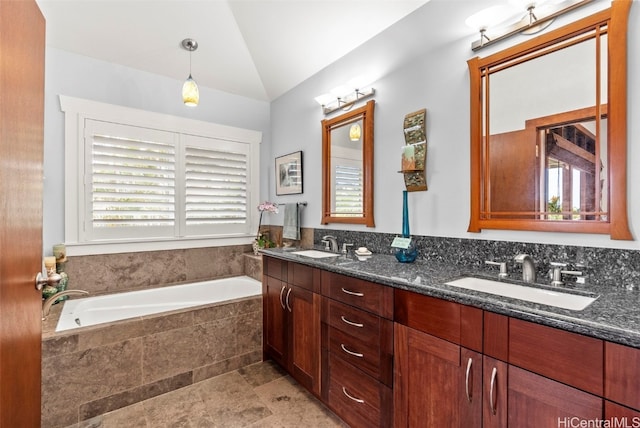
<point>435,287</point>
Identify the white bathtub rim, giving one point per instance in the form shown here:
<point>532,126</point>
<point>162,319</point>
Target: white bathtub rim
<point>69,328</point>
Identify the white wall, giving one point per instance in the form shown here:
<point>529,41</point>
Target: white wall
<point>84,77</point>
<point>436,79</point>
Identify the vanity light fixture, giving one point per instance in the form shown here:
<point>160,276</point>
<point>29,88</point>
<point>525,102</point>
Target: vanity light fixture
<point>343,98</point>
<point>501,21</point>
<point>190,92</point>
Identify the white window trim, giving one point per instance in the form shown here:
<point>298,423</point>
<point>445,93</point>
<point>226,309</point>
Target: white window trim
<point>77,110</point>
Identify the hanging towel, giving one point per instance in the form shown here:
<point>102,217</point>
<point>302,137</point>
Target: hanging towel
<point>291,224</point>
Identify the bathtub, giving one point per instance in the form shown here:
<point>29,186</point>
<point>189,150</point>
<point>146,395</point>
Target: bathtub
<point>114,307</point>
<point>116,364</point>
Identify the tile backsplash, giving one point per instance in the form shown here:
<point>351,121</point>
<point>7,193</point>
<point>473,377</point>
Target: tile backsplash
<point>604,266</point>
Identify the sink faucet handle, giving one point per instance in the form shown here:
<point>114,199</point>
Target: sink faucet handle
<point>557,272</point>
<point>345,247</point>
<point>503,267</point>
<point>558,264</point>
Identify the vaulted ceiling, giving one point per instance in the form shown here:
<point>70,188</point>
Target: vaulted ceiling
<point>254,48</point>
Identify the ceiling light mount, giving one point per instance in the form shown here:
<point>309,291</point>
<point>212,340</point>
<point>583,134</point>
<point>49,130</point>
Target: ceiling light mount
<point>189,45</point>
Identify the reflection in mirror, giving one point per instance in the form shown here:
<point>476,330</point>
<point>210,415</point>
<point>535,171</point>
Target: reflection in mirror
<point>347,163</point>
<point>543,156</point>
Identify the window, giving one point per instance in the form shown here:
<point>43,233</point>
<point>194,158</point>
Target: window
<point>349,190</point>
<point>129,182</point>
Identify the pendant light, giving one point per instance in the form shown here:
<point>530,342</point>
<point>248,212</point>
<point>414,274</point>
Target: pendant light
<point>190,93</point>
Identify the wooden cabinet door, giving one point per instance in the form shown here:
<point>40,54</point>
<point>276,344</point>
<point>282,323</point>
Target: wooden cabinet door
<point>304,310</point>
<point>470,401</point>
<point>494,393</point>
<point>274,319</point>
<point>620,416</point>
<point>536,401</point>
<point>429,387</point>
<point>622,375</point>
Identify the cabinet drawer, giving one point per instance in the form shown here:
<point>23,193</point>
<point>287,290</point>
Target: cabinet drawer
<point>564,356</point>
<point>363,325</point>
<point>358,353</point>
<point>365,295</point>
<point>358,399</point>
<point>304,276</point>
<point>429,315</point>
<point>275,268</point>
<point>622,374</point>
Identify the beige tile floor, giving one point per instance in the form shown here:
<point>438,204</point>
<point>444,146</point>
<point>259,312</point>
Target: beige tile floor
<point>260,395</point>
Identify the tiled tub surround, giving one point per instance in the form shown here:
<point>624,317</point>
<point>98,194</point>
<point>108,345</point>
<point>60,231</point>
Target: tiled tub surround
<point>114,273</point>
<point>601,266</point>
<point>93,370</point>
<point>614,316</point>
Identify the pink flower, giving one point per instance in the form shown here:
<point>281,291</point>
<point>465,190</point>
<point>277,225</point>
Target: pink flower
<point>268,206</point>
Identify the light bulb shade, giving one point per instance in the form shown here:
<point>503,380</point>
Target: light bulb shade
<point>355,132</point>
<point>492,17</point>
<point>190,92</point>
<point>324,99</point>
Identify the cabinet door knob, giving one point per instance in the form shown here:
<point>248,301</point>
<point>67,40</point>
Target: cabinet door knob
<point>346,321</point>
<point>466,380</point>
<point>355,354</point>
<point>492,401</point>
<point>281,299</point>
<point>352,293</point>
<point>357,400</point>
<point>287,300</point>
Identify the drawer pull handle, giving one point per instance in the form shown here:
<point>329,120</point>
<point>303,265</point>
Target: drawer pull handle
<point>346,321</point>
<point>281,299</point>
<point>357,400</point>
<point>493,404</point>
<point>352,293</point>
<point>287,300</point>
<point>466,380</point>
<point>355,354</point>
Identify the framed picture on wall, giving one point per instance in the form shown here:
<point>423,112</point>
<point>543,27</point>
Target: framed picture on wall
<point>289,174</point>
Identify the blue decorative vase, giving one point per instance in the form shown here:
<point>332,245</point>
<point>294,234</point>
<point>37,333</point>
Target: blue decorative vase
<point>406,255</point>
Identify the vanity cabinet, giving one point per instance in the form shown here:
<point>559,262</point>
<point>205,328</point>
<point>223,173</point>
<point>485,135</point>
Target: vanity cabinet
<point>383,356</point>
<point>522,375</point>
<point>357,350</point>
<point>438,362</point>
<point>622,384</point>
<point>291,317</point>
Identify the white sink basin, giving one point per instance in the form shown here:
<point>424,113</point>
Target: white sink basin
<point>574,302</point>
<point>316,254</point>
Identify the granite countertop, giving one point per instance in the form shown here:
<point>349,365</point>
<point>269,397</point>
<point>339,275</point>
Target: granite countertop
<point>614,316</point>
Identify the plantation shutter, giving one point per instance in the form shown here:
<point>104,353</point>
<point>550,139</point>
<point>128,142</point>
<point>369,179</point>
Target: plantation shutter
<point>349,190</point>
<point>216,186</point>
<point>131,174</point>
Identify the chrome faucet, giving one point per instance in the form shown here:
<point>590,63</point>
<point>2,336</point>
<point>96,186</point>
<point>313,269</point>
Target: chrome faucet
<point>332,243</point>
<point>46,306</point>
<point>528,267</point>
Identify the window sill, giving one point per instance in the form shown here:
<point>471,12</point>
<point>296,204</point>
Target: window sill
<point>112,247</point>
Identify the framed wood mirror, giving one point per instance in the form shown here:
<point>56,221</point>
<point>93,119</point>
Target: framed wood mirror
<point>347,167</point>
<point>549,131</point>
